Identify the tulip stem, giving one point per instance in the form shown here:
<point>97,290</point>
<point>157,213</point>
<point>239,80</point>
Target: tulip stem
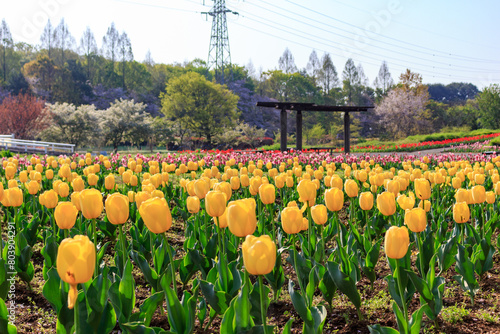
<point>94,233</point>
<point>271,211</point>
<point>263,310</point>
<point>401,292</point>
<point>311,235</point>
<point>54,227</point>
<point>124,247</point>
<point>295,263</point>
<point>66,232</point>
<point>420,254</point>
<point>77,319</point>
<point>170,256</point>
<point>481,226</point>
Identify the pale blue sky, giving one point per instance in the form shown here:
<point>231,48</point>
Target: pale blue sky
<point>445,41</point>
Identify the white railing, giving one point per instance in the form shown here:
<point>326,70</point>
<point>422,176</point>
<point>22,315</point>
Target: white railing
<point>8,142</point>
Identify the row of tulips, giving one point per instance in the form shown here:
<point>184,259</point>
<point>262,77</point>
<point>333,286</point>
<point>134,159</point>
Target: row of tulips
<point>289,207</point>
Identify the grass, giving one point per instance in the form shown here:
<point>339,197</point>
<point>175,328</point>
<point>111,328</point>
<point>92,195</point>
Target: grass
<point>488,316</point>
<point>454,314</point>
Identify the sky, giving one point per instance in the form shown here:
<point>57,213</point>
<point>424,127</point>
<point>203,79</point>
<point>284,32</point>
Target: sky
<point>445,41</point>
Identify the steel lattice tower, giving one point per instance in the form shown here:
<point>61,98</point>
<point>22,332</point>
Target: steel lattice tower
<point>219,56</point>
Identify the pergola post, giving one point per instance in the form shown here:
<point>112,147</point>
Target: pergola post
<point>299,130</point>
<point>347,133</point>
<point>283,144</point>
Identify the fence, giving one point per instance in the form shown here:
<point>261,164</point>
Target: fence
<point>8,142</point>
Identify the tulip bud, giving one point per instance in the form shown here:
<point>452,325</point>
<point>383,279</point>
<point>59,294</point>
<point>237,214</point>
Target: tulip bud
<point>386,203</point>
<point>307,191</point>
<point>366,200</point>
<point>461,212</point>
<point>396,242</point>
<point>50,199</point>
<point>241,217</point>
<point>259,254</point>
<point>75,263</point>
<point>117,208</point>
<point>75,199</point>
<point>406,202</point>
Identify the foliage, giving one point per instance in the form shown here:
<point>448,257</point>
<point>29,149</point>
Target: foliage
<point>199,105</point>
<point>23,115</point>
<point>125,120</point>
<point>403,111</point>
<point>489,107</point>
<point>73,125</point>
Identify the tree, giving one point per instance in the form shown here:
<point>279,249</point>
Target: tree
<point>47,38</point>
<point>286,62</point>
<point>466,115</point>
<point>327,76</point>
<point>125,54</point>
<point>125,120</point>
<point>73,125</point>
<point>111,44</point>
<point>384,80</point>
<point>403,111</point>
<point>456,92</point>
<point>63,41</point>
<point>350,79</point>
<point>6,44</point>
<point>23,115</point>
<point>199,105</point>
<point>314,65</point>
<point>489,106</point>
<point>88,47</point>
<point>41,74</point>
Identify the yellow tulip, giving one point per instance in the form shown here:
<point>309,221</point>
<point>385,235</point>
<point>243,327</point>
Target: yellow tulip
<point>14,197</point>
<point>50,199</point>
<point>461,212</point>
<point>235,182</point>
<point>255,183</point>
<point>334,199</point>
<point>33,188</point>
<point>75,199</point>
<point>366,200</point>
<point>394,187</point>
<point>23,176</point>
<point>479,178</point>
<point>78,184</point>
<point>156,214</point>
<point>289,181</point>
<point>490,197</point>
<point>259,254</point>
<point>109,182</point>
<point>307,191</point>
<point>215,203</point>
<point>396,242</point>
<point>267,193</point>
<point>65,215</point>
<point>478,194</point>
<point>351,188</point>
<point>291,220</point>
<point>92,179</point>
<point>193,204</point>
<point>456,182</point>
<point>244,180</point>
<point>157,193</point>
<point>422,188</point>
<point>10,172</point>
<point>425,204</point>
<point>406,202</point>
<point>91,203</point>
<point>63,189</point>
<point>75,263</point>
<point>134,180</point>
<point>12,184</point>
<point>222,220</point>
<point>319,214</point>
<point>464,195</point>
<point>241,217</point>
<point>140,197</point>
<point>117,208</point>
<point>386,203</point>
<point>225,188</point>
<point>416,219</point>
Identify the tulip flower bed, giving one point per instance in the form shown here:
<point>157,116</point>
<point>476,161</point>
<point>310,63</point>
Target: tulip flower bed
<point>221,242</point>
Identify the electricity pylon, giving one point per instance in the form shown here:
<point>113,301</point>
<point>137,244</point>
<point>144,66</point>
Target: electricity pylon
<point>219,56</point>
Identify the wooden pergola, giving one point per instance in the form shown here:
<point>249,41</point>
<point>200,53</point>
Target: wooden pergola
<point>300,107</point>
